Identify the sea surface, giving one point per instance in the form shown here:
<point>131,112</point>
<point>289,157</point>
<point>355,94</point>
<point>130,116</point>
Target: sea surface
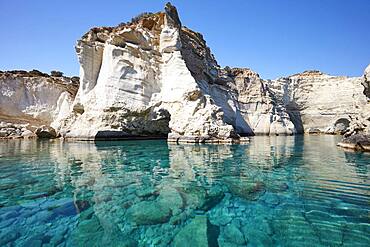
<point>274,191</point>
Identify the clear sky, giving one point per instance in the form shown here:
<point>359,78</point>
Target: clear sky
<point>273,37</point>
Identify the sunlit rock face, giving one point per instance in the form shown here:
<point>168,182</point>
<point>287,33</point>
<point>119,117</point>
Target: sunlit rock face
<point>34,97</point>
<point>135,81</point>
<point>358,134</point>
<point>259,108</point>
<point>363,122</point>
<point>320,103</point>
<point>153,77</point>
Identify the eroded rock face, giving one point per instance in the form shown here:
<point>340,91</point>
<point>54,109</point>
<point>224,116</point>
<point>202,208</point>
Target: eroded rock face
<point>154,77</point>
<point>320,103</point>
<point>34,95</point>
<point>260,111</point>
<point>135,81</point>
<point>30,99</point>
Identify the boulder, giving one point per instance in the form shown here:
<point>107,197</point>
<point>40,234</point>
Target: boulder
<point>213,196</point>
<point>148,213</point>
<point>194,233</point>
<point>232,236</point>
<point>246,189</point>
<point>171,198</point>
<point>3,133</point>
<point>194,196</point>
<point>28,134</point>
<point>46,132</point>
<point>358,142</point>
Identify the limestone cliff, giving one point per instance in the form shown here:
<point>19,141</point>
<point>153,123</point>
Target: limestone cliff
<point>153,77</point>
<point>357,135</point>
<point>32,99</point>
<point>320,103</point>
<point>261,111</point>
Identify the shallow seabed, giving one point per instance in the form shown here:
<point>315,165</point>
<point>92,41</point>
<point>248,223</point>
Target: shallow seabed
<point>275,191</point>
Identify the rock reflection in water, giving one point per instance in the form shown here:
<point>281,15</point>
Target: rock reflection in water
<point>285,191</point>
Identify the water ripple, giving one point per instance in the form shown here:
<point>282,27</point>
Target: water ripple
<point>275,191</point>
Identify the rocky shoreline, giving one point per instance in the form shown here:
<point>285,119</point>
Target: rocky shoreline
<point>358,142</point>
<point>155,78</point>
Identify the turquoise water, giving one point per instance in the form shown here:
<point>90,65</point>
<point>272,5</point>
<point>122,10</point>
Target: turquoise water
<point>275,191</point>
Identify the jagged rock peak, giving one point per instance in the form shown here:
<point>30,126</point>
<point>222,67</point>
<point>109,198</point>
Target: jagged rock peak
<point>145,20</point>
<point>367,73</point>
<point>171,11</point>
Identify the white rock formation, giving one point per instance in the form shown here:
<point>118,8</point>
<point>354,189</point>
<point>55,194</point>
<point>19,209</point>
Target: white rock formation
<point>34,97</point>
<point>153,77</point>
<point>136,82</point>
<point>317,102</point>
<point>259,108</point>
<point>358,134</point>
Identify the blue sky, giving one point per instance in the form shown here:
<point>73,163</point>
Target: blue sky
<point>274,38</point>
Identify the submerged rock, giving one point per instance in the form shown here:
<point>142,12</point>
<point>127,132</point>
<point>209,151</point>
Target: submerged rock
<point>256,237</point>
<point>194,196</point>
<point>171,198</point>
<point>213,196</point>
<point>292,229</point>
<point>199,232</point>
<point>249,190</point>
<point>93,232</point>
<point>149,213</point>
<point>8,236</point>
<point>231,236</point>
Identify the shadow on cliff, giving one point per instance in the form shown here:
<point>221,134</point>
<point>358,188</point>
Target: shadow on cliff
<point>241,126</point>
<point>295,116</point>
